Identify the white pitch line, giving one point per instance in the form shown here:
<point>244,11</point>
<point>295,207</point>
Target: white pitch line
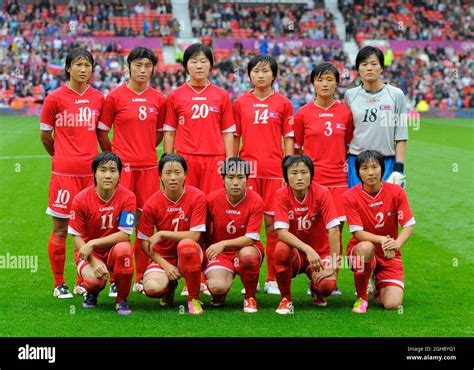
<point>25,156</point>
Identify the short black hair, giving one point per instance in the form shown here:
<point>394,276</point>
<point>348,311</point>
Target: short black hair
<point>165,158</point>
<point>104,158</point>
<point>75,54</point>
<point>265,59</point>
<point>141,52</point>
<point>322,69</point>
<point>366,52</point>
<point>369,155</point>
<point>235,165</point>
<point>194,50</point>
<point>293,160</point>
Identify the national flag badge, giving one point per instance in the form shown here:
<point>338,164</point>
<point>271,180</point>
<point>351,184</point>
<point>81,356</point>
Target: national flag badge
<point>385,107</point>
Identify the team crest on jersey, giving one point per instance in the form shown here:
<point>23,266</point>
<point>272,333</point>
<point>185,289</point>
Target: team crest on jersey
<point>213,109</point>
<point>385,107</point>
<point>340,126</point>
<point>273,114</point>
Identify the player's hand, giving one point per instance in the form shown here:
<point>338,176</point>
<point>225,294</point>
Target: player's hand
<point>171,271</point>
<point>155,239</point>
<point>391,245</point>
<point>86,250</point>
<point>314,259</point>
<point>323,274</point>
<point>214,250</point>
<point>397,178</point>
<point>100,270</point>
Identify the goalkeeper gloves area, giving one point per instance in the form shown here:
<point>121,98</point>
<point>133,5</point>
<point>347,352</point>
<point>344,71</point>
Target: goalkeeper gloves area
<point>397,177</point>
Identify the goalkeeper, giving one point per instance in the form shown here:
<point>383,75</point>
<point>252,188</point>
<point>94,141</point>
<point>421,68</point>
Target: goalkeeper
<point>380,118</point>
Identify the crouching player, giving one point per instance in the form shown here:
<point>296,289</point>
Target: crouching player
<point>308,232</point>
<point>234,219</point>
<point>102,219</point>
<point>374,209</point>
<point>179,215</point>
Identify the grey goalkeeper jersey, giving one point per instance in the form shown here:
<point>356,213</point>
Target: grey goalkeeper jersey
<point>380,119</point>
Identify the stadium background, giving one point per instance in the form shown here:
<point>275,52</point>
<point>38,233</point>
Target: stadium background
<point>430,57</point>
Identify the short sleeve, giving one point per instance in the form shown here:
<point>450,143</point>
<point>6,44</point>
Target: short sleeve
<point>147,222</point>
<point>227,118</point>
<point>77,220</point>
<point>107,115</point>
<point>198,214</point>
<point>171,120</point>
<point>405,216</point>
<point>281,207</point>
<point>48,114</point>
<point>288,120</point>
<point>328,210</point>
<point>255,220</point>
<point>237,118</point>
<point>161,114</point>
<point>353,217</point>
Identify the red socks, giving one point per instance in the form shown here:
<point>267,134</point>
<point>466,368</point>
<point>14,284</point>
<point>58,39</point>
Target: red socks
<point>283,270</point>
<point>272,239</point>
<point>249,269</point>
<point>123,269</point>
<point>361,278</point>
<point>141,259</point>
<point>190,266</point>
<point>57,257</point>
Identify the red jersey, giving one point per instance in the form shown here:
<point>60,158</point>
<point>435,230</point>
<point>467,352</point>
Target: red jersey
<point>188,213</point>
<point>228,221</point>
<point>199,118</point>
<point>93,218</point>
<point>136,118</point>
<point>325,134</point>
<point>73,117</point>
<point>378,214</point>
<point>309,219</point>
<point>262,123</point>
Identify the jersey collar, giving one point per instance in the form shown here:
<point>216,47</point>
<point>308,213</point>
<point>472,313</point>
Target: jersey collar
<point>177,201</point>
<point>265,98</point>
<point>75,92</point>
<point>202,90</point>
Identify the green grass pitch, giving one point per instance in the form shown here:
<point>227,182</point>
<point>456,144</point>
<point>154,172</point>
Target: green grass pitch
<point>438,259</point>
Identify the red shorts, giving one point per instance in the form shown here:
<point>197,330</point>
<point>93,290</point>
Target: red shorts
<point>336,193</point>
<point>230,261</point>
<point>300,263</point>
<point>266,188</point>
<point>204,171</point>
<point>62,190</point>
<point>106,255</point>
<point>153,266</point>
<point>142,182</point>
<point>387,272</point>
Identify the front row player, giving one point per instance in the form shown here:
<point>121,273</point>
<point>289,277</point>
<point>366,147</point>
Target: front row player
<point>308,232</point>
<point>179,215</point>
<point>374,209</point>
<point>101,222</point>
<point>234,219</point>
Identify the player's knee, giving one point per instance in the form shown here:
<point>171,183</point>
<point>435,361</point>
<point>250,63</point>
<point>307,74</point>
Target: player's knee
<point>123,258</point>
<point>365,249</point>
<point>188,255</point>
<point>392,304</point>
<point>249,262</point>
<point>154,289</point>
<point>325,287</point>
<point>94,285</point>
<point>283,253</point>
<point>217,287</point>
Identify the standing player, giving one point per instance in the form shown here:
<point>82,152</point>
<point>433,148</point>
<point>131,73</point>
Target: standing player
<point>72,113</point>
<point>199,121</point>
<point>380,118</point>
<point>374,209</point>
<point>179,215</point>
<point>199,124</point>
<point>137,112</point>
<point>234,219</point>
<point>308,233</point>
<point>324,128</point>
<point>264,119</point>
<point>102,219</point>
